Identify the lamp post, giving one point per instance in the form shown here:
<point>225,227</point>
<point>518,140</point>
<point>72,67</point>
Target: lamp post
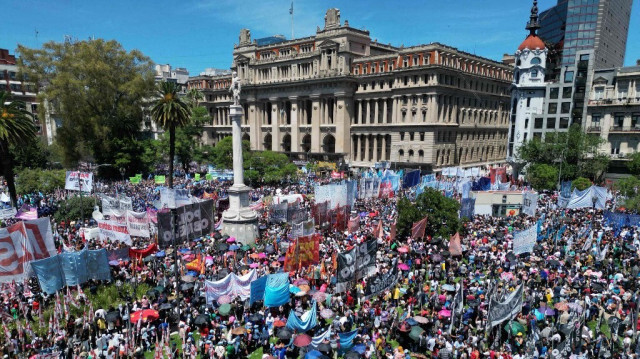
<point>122,172</point>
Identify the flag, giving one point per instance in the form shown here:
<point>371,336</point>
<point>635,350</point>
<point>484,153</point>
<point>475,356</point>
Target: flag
<point>196,177</point>
<point>159,179</point>
<point>291,9</point>
<point>208,177</point>
<point>418,228</point>
<point>455,248</point>
<point>380,230</point>
<point>392,232</point>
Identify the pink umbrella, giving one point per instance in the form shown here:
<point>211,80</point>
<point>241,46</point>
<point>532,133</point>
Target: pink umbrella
<point>230,253</point>
<point>224,299</point>
<point>208,260</point>
<point>262,255</point>
<point>403,249</point>
<point>189,257</point>
<point>254,265</point>
<point>231,239</point>
<point>403,266</point>
<point>506,275</point>
<point>445,313</point>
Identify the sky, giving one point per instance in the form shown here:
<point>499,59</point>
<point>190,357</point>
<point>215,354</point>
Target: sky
<point>198,34</point>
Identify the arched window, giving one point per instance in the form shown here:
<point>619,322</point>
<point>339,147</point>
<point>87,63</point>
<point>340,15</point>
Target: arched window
<point>535,61</point>
<point>400,154</point>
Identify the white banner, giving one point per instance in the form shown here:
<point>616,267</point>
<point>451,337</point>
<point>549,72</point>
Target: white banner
<point>73,184</point>
<point>138,224</point>
<point>529,203</point>
<point>113,231</point>
<point>524,241</point>
<point>22,243</point>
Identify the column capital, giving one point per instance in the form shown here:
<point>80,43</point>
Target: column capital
<point>315,96</point>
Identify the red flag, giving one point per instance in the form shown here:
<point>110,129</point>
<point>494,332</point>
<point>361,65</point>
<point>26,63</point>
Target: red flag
<point>418,228</point>
<point>380,230</point>
<point>392,234</point>
<point>455,248</point>
<point>354,224</point>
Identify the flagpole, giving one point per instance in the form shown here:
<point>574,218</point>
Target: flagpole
<point>291,13</point>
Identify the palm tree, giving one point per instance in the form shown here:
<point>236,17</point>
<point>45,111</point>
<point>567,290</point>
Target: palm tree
<point>194,96</point>
<point>16,128</point>
<point>170,112</point>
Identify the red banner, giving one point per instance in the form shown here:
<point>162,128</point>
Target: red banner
<point>418,229</point>
<point>305,251</point>
<point>141,253</point>
<point>455,248</point>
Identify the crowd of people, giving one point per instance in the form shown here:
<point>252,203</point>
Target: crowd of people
<point>579,291</point>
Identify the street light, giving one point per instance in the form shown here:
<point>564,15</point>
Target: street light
<point>122,172</point>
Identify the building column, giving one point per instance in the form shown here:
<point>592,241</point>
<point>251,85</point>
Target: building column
<point>433,108</point>
<point>275,124</point>
<point>356,147</point>
<point>383,153</point>
<point>359,112</point>
<point>375,148</point>
<point>315,123</point>
<point>367,142</point>
<point>385,113</point>
<point>394,108</point>
<point>255,130</point>
<point>295,127</point>
<point>376,111</point>
<point>343,111</point>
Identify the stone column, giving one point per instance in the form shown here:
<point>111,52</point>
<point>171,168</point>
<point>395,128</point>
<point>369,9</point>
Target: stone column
<point>236,132</point>
<point>295,127</point>
<point>375,148</point>
<point>356,147</point>
<point>315,123</point>
<point>385,112</point>
<point>376,109</point>
<point>343,111</point>
<point>357,119</point>
<point>275,124</point>
<point>367,148</point>
<point>383,153</point>
<point>255,130</point>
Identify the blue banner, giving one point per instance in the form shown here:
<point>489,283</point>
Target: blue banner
<point>346,340</point>
<point>300,325</point>
<point>467,207</point>
<point>49,274</point>
<point>258,287</point>
<point>74,267</point>
<point>98,265</point>
<point>276,292</point>
<point>565,189</point>
<point>411,179</point>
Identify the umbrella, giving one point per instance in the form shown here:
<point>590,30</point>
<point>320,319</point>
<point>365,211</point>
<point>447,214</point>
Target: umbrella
<point>301,293</point>
<point>254,265</point>
<point>359,348</point>
<point>112,317</point>
<point>445,313</point>
<point>421,320</point>
<point>114,263</point>
<point>436,258</point>
<point>159,288</point>
<point>324,347</point>
<point>319,296</point>
<point>152,293</point>
<point>352,355</point>
<point>224,309</point>
<point>304,288</point>
<point>160,254</point>
<point>511,257</point>
<point>238,331</point>
<point>201,319</point>
<point>145,315</point>
<point>222,247</point>
<point>284,334</point>
<point>403,249</point>
<point>562,306</point>
<point>188,278</point>
<point>403,266</point>
<point>224,299</point>
<point>300,281</point>
<point>186,286</point>
<point>269,249</point>
<point>445,253</point>
<point>449,288</point>
<point>279,323</point>
<point>254,256</point>
<point>166,306</point>
<point>538,314</point>
<point>262,255</point>
<point>314,354</point>
<point>415,333</point>
<point>234,247</point>
<point>404,327</point>
<point>231,239</point>
<point>410,321</point>
<point>327,313</point>
<point>245,248</point>
<point>275,264</point>
<point>217,235</point>
<point>302,340</point>
<point>514,328</point>
<point>576,307</point>
<point>546,310</point>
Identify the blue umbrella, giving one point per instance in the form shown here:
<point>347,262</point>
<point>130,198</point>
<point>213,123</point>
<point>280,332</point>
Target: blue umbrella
<point>314,354</point>
<point>233,247</point>
<point>293,289</point>
<point>193,273</point>
<point>360,348</point>
<point>183,250</point>
<point>411,321</point>
<point>160,254</point>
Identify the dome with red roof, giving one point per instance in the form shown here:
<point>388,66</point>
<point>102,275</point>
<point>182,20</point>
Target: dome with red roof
<point>532,42</point>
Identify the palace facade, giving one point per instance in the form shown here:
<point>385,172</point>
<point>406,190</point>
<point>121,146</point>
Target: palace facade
<point>339,95</point>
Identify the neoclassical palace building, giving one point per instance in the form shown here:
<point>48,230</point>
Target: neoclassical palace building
<point>340,95</point>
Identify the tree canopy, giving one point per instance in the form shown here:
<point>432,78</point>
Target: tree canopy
<point>542,176</point>
<point>442,214</point>
<point>97,89</point>
<point>575,152</point>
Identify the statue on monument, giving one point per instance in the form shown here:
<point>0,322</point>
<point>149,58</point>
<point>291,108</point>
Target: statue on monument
<point>245,36</point>
<point>235,88</point>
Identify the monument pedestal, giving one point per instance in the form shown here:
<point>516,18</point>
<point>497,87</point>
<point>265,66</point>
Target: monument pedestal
<point>239,220</point>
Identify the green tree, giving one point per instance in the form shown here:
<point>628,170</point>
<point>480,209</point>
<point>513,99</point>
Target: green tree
<point>542,176</point>
<point>222,156</point>
<point>16,129</point>
<point>188,137</point>
<point>269,167</point>
<point>575,152</point>
<point>97,88</point>
<point>634,163</point>
<point>628,186</point>
<point>32,154</point>
<point>581,183</point>
<point>72,208</point>
<point>442,213</point>
<point>194,96</point>
<point>170,113</point>
<point>34,180</point>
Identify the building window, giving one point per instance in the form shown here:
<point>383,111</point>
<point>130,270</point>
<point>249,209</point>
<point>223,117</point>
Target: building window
<point>618,119</point>
<point>410,136</point>
<point>534,73</point>
<point>538,123</point>
<point>526,123</point>
<point>421,136</point>
<point>623,87</point>
<point>595,120</point>
<point>553,93</point>
<point>535,61</point>
<point>566,107</point>
<point>401,136</point>
<point>564,122</point>
<point>635,120</point>
<point>528,102</point>
<point>568,76</point>
<point>598,94</point>
<point>551,123</point>
<point>566,92</point>
<point>405,100</point>
<point>615,148</point>
<point>553,108</point>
